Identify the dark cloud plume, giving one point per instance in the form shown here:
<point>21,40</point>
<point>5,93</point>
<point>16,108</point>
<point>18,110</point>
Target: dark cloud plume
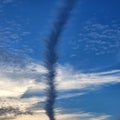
<point>51,55</point>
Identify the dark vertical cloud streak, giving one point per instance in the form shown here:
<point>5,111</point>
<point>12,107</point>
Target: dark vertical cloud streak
<point>51,55</point>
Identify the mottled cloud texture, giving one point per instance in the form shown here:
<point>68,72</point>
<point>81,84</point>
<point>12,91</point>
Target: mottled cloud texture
<point>98,38</point>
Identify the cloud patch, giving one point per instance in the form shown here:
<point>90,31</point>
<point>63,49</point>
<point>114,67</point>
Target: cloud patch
<point>30,80</point>
<point>69,79</point>
<point>98,38</point>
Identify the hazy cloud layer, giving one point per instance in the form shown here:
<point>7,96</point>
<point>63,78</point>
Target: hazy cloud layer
<point>30,81</point>
<point>33,77</point>
<point>77,116</point>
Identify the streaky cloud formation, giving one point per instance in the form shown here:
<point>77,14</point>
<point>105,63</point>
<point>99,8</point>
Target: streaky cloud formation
<point>73,79</point>
<point>66,75</point>
<point>51,55</point>
<point>25,80</point>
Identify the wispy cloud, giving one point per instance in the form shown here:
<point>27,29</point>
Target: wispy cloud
<point>15,107</point>
<point>15,84</point>
<point>32,77</point>
<point>77,116</point>
<point>77,80</point>
<point>12,33</point>
<point>83,116</point>
<point>99,38</point>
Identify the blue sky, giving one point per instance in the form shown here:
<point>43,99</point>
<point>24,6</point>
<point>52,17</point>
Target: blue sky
<point>89,58</point>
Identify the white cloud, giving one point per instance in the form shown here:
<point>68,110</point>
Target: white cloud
<point>17,107</point>
<point>13,84</point>
<point>68,79</point>
<point>83,116</point>
<point>12,88</point>
<point>70,116</point>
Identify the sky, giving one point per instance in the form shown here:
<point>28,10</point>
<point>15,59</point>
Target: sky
<point>88,72</point>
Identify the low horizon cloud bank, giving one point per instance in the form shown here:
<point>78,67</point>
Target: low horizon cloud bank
<point>30,80</point>
<point>32,77</point>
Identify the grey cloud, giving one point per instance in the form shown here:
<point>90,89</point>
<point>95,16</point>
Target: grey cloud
<point>13,111</point>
